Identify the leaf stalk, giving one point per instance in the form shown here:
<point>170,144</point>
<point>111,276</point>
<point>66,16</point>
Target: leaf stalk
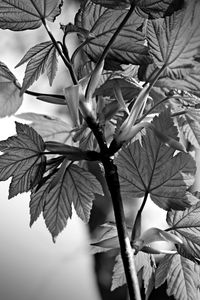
<point>66,62</point>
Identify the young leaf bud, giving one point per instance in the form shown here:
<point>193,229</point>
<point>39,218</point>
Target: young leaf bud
<point>72,99</point>
<point>126,129</point>
<point>94,80</point>
<point>154,235</point>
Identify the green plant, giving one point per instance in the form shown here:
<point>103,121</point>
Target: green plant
<point>123,43</point>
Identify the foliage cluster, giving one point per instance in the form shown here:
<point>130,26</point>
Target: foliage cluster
<point>134,108</point>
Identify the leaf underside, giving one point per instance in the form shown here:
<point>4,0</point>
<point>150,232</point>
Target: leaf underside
<point>18,15</point>
<point>152,167</point>
<point>22,159</point>
<point>41,58</point>
<point>74,185</point>
<point>182,277</point>
<point>102,23</point>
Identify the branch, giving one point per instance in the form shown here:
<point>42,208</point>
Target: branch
<point>66,62</point>
<point>127,252</point>
<point>112,180</point>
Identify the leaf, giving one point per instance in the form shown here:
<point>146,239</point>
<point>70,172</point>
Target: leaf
<point>10,99</point>
<point>74,185</point>
<point>186,225</point>
<point>156,8</point>
<point>86,185</point>
<point>182,277</point>
<point>37,201</point>
<point>129,86</point>
<point>72,99</point>
<point>174,40</point>
<point>152,167</point>
<point>71,28</point>
<point>106,238</point>
<point>102,22</point>
<point>154,234</point>
<point>118,277</point>
<point>49,127</point>
<point>190,129</point>
<point>21,15</point>
<point>42,58</point>
<point>120,4</point>
<point>193,118</point>
<point>143,262</point>
<point>22,159</point>
<point>175,80</point>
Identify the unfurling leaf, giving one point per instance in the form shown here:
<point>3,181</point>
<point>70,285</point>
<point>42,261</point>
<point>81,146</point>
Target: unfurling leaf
<point>102,22</point>
<point>41,58</point>
<point>182,277</point>
<point>186,225</point>
<point>73,185</point>
<point>152,167</point>
<point>10,99</point>
<point>154,235</point>
<point>72,99</point>
<point>22,159</point>
<point>71,28</point>
<point>21,15</point>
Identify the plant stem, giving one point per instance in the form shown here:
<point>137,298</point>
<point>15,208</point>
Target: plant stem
<point>42,94</point>
<point>112,180</point>
<point>114,36</point>
<point>127,252</point>
<point>66,62</point>
<point>112,39</point>
<point>137,224</point>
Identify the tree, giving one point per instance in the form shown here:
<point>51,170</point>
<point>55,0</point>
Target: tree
<point>134,109</point>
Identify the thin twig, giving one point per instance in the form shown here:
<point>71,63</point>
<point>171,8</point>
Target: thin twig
<point>66,62</point>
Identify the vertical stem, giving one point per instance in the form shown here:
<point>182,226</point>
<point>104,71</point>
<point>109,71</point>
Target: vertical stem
<point>125,247</point>
<point>66,62</point>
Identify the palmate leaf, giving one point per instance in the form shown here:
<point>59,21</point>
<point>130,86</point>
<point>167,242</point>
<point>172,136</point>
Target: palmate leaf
<point>72,184</point>
<point>102,22</point>
<point>10,99</point>
<point>120,4</point>
<point>41,58</point>
<point>182,277</point>
<point>174,40</point>
<point>22,159</point>
<point>50,128</point>
<point>21,15</point>
<point>151,167</point>
<point>157,8</point>
<point>186,225</point>
<point>191,130</point>
<point>176,79</point>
